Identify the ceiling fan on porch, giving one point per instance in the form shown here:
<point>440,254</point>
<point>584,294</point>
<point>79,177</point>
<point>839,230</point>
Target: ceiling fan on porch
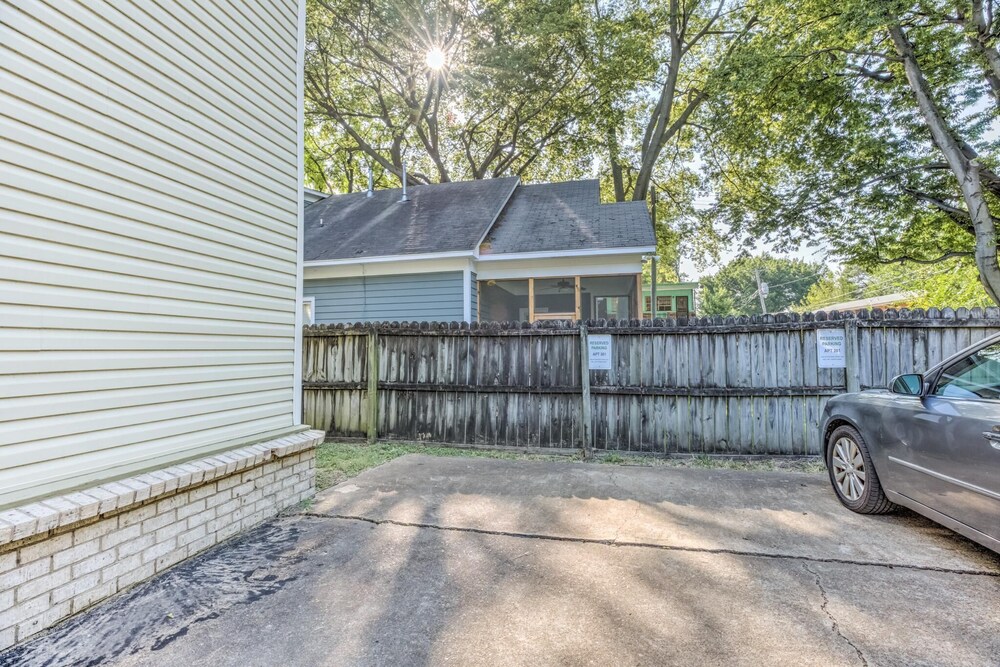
<point>567,285</point>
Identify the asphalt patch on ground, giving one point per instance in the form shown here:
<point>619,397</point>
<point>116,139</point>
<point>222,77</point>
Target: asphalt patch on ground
<point>152,615</point>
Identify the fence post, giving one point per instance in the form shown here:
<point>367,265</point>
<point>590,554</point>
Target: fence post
<point>851,344</point>
<point>372,386</point>
<point>585,384</point>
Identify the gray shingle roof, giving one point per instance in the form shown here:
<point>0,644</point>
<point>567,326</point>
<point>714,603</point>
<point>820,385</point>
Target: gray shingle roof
<point>568,216</point>
<point>449,217</point>
<point>443,217</point>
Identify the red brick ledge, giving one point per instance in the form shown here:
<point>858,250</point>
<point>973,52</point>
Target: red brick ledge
<point>61,511</point>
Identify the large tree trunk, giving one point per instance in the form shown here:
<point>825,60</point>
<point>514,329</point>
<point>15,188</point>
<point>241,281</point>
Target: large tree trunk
<point>616,165</point>
<point>657,128</point>
<point>965,170</point>
<point>981,44</point>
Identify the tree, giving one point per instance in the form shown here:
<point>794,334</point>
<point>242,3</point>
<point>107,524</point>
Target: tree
<point>867,125</point>
<point>960,156</point>
<point>654,64</point>
<point>528,88</point>
<point>956,286</point>
<point>701,39</point>
<point>835,287</point>
<point>733,289</point>
<point>952,283</point>
<point>714,298</point>
<point>507,101</point>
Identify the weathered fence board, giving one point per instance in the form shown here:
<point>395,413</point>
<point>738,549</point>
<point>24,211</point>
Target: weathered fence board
<point>717,386</point>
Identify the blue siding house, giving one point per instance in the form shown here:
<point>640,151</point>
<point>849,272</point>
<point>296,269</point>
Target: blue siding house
<point>388,298</point>
<point>477,250</point>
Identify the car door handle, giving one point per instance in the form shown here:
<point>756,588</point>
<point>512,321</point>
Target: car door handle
<point>993,437</point>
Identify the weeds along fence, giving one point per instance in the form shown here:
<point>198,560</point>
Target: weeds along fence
<point>747,385</point>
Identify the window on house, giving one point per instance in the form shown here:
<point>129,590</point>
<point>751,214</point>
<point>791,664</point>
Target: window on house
<point>664,304</point>
<point>609,297</point>
<point>309,310</point>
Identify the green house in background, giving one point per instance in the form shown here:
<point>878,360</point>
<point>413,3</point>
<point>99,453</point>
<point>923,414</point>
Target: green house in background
<point>672,300</point>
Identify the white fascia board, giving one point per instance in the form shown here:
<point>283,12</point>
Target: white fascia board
<point>559,267</point>
<point>401,267</point>
<point>496,217</point>
<point>554,254</point>
<point>676,286</point>
<point>300,59</point>
<point>389,258</point>
<point>315,194</point>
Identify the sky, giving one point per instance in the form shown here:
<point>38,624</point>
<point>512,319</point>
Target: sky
<point>691,272</point>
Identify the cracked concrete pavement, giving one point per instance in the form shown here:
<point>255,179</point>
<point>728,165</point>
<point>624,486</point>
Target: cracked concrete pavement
<point>427,561</point>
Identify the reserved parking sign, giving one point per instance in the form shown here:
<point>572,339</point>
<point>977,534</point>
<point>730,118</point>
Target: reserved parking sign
<point>599,352</point>
<point>831,348</point>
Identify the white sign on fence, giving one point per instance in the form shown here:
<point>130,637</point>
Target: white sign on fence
<point>599,352</point>
<point>831,348</point>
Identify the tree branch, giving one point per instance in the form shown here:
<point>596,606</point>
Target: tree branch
<point>903,259</point>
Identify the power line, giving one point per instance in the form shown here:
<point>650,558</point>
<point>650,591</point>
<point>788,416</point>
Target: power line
<point>798,280</point>
<point>880,283</point>
<point>743,299</point>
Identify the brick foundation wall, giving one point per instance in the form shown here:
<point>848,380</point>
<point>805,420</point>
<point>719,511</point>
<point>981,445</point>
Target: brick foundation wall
<point>62,555</point>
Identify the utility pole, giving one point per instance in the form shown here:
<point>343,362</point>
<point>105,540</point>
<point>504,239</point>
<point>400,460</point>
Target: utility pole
<point>761,292</point>
<point>652,263</point>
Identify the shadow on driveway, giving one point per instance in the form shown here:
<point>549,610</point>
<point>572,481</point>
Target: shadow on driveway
<point>436,561</point>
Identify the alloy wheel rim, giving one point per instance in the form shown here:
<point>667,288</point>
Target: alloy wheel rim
<point>849,468</point>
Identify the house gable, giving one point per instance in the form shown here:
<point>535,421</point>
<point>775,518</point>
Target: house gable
<point>437,219</point>
<point>568,217</point>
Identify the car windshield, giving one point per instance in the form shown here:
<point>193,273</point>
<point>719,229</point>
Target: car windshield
<point>975,376</point>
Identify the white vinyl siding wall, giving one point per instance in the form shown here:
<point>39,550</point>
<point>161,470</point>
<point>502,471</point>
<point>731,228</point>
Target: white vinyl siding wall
<point>149,194</point>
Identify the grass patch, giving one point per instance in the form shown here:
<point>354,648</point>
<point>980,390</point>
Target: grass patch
<point>760,464</point>
<point>337,461</point>
<point>810,465</point>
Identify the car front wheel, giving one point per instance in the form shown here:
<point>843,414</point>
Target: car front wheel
<point>852,473</point>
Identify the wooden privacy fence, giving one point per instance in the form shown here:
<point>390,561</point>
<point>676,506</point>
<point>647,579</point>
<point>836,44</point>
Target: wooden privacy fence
<point>747,385</point>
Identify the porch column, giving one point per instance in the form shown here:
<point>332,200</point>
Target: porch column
<point>531,299</point>
<point>578,298</point>
<point>638,294</point>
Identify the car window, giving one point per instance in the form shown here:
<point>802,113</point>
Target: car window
<point>974,376</point>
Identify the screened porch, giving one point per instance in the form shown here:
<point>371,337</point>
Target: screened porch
<point>565,298</point>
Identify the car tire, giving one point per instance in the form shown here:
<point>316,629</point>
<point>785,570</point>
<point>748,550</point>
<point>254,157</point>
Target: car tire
<point>852,473</point>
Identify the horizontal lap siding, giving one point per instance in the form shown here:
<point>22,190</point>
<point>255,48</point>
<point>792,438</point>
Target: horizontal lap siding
<point>148,234</point>
<point>424,297</point>
<point>474,310</point>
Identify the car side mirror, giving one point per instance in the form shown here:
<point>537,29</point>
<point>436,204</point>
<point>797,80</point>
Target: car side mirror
<point>908,384</point>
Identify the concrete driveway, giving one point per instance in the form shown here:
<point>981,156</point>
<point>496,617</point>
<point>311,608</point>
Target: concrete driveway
<point>427,561</point>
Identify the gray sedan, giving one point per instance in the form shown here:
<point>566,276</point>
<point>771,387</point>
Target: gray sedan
<point>930,442</point>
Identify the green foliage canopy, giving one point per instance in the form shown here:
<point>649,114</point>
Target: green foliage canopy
<point>951,283</point>
<point>826,135</point>
<point>733,289</point>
